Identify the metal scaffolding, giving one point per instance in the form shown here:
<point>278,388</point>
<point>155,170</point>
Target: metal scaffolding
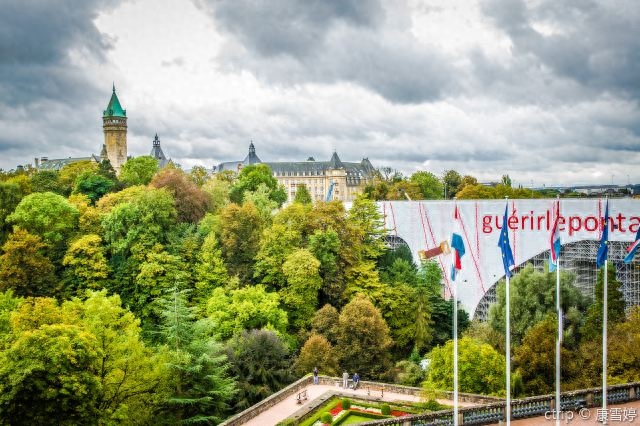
<point>579,258</point>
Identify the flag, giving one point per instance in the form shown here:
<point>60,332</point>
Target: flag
<point>457,244</point>
<point>555,243</point>
<point>633,248</point>
<point>503,243</point>
<point>604,240</point>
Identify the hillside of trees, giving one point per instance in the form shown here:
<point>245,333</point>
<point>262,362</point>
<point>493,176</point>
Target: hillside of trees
<point>166,297</point>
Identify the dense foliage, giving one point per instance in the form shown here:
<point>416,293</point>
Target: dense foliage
<point>165,297</point>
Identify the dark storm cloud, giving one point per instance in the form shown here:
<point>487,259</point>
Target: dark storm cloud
<point>289,27</point>
<point>43,90</point>
<point>593,43</point>
<point>291,42</point>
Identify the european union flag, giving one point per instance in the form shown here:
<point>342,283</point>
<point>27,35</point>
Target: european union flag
<point>503,243</point>
<point>603,250</point>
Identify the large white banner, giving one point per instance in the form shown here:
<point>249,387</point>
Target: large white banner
<point>425,224</point>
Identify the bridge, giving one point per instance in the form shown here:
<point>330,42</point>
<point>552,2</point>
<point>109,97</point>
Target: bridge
<point>424,225</point>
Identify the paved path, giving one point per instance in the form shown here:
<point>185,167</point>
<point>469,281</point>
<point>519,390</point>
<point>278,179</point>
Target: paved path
<point>287,407</point>
<point>619,415</point>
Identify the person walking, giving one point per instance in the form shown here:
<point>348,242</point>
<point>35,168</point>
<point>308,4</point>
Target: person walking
<point>356,380</point>
<point>345,380</point>
<point>315,375</point>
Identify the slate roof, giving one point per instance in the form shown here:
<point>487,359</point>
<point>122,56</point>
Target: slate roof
<point>156,152</point>
<point>58,163</point>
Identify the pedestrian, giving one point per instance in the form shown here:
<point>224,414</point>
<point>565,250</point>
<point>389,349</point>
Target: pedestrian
<point>356,380</point>
<point>315,375</point>
<point>345,380</point>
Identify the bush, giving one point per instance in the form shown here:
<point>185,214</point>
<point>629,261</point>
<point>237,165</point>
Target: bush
<point>346,403</point>
<point>326,418</point>
<point>385,409</point>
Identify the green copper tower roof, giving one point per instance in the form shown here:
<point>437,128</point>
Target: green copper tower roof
<point>114,109</point>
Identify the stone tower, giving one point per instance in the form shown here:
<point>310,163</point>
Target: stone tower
<point>114,124</point>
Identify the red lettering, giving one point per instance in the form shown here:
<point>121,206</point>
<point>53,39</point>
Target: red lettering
<point>513,222</point>
<point>635,223</point>
<point>593,220</point>
<point>575,223</point>
<point>486,224</point>
<point>620,218</point>
<point>561,222</point>
<point>540,219</point>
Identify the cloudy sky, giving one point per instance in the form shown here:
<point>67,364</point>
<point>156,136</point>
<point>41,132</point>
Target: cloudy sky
<point>547,91</point>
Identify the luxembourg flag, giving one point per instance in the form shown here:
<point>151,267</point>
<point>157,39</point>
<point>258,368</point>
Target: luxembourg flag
<point>633,248</point>
<point>457,245</point>
<point>555,243</point>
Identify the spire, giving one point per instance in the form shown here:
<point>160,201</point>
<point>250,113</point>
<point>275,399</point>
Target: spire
<point>335,162</point>
<point>156,152</point>
<point>252,157</point>
<point>114,109</point>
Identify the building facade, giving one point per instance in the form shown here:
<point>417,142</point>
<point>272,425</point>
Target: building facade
<point>326,180</point>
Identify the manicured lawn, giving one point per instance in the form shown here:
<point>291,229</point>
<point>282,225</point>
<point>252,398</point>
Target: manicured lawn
<point>352,418</point>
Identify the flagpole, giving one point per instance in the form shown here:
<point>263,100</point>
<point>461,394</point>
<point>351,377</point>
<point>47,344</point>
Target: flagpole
<point>508,340</point>
<point>455,324</point>
<point>508,354</point>
<point>455,353</point>
<point>559,338</point>
<point>604,342</point>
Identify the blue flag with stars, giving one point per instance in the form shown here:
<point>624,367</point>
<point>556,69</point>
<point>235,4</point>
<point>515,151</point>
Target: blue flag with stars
<point>603,250</point>
<point>505,247</point>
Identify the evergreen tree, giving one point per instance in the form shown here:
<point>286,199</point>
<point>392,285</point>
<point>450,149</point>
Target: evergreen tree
<point>615,304</point>
<point>198,366</point>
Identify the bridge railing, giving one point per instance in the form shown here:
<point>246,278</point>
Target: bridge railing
<point>520,408</point>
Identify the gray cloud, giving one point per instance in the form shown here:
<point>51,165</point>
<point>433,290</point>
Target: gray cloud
<point>594,43</point>
<point>289,42</point>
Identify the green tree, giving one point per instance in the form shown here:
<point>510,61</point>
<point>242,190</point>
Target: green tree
<point>48,375</point>
<point>325,323</point>
<point>534,359</point>
<point>48,215</point>
<point>532,299</point>
<point>325,246</point>
<point>452,182</point>
<point>199,175</point>
<point>85,265</point>
<point>138,170</point>
<point>132,377</point>
<point>276,244</point>
<point>158,274</point>
<point>210,271</point>
<point>261,364</point>
<point>241,227</point>
<point>430,185</point>
<point>368,227</point>
<point>10,196</point>
<point>70,173</point>
<point>24,268</point>
<point>300,294</point>
<point>623,356</point>
<point>245,308</point>
<point>261,199</point>
<point>316,352</point>
<point>615,304</point>
<point>94,186</point>
<point>218,191</point>
<point>488,380</point>
<point>363,339</point>
<point>476,192</point>
<point>303,195</point>
<point>47,181</point>
<point>250,178</point>
<point>201,386</point>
